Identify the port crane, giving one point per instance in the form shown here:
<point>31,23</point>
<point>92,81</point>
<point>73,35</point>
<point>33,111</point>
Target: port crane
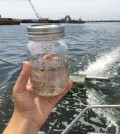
<point>38,16</point>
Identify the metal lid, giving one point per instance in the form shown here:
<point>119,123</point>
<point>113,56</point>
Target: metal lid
<point>46,30</point>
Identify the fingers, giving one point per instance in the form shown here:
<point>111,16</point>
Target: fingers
<point>22,80</point>
<point>47,57</point>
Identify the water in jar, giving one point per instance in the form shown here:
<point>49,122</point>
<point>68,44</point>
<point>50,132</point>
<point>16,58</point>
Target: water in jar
<point>49,77</point>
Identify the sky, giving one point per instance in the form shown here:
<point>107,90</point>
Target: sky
<point>57,9</point>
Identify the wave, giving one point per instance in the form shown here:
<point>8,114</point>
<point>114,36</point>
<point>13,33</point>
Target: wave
<point>103,64</point>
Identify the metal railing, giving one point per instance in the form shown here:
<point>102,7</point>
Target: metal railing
<point>84,110</point>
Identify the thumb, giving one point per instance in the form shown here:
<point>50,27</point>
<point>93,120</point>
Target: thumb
<point>22,80</point>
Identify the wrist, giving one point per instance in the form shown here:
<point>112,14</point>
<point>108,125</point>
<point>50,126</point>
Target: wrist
<point>21,125</point>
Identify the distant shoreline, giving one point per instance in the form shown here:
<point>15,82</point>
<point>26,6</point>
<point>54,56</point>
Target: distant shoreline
<point>103,21</point>
<point>35,21</point>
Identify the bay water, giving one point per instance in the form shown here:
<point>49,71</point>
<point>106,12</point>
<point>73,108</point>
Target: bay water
<point>94,50</point>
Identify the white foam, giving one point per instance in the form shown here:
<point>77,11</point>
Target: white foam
<point>97,97</point>
<point>103,63</point>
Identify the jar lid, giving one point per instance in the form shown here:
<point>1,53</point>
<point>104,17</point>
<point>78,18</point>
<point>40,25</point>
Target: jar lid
<point>46,30</point>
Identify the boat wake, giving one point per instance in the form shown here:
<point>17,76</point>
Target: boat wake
<point>103,64</point>
<point>101,67</point>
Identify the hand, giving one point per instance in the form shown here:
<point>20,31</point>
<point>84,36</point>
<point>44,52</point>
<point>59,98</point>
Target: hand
<point>28,104</point>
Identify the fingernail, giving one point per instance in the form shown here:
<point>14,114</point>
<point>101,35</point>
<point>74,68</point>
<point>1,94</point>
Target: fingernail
<point>24,64</point>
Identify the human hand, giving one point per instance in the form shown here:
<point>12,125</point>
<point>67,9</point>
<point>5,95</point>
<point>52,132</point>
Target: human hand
<point>28,104</point>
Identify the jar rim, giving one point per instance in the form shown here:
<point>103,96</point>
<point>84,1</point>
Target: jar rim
<point>45,29</point>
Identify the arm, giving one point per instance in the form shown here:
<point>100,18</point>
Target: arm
<point>20,125</point>
<point>19,122</point>
<point>30,111</point>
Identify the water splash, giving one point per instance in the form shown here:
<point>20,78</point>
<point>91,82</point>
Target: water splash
<point>103,64</point>
<point>100,67</point>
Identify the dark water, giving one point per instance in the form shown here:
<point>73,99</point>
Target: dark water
<point>94,49</point>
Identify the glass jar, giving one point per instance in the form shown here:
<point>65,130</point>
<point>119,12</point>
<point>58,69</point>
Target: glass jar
<point>48,56</point>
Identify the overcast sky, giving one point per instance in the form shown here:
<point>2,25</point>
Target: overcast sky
<point>54,9</point>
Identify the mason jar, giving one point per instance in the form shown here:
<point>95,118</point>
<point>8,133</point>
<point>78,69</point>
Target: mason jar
<point>48,57</point>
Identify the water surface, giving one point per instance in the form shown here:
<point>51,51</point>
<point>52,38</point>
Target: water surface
<point>94,49</point>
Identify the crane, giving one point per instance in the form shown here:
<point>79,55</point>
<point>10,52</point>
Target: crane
<point>35,10</point>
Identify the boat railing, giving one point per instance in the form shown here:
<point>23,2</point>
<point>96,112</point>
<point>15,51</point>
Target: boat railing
<point>83,112</point>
